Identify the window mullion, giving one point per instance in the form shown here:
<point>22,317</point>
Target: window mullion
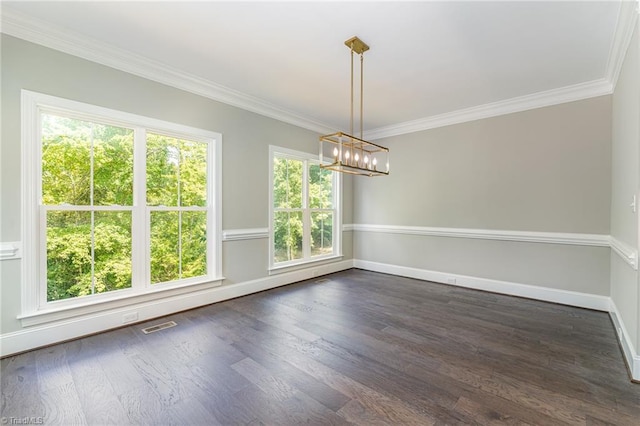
<point>42,250</point>
<point>93,215</point>
<point>140,214</point>
<point>306,215</point>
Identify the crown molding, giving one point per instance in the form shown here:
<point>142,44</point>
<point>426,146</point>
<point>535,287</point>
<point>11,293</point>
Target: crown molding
<point>627,18</point>
<point>42,33</point>
<point>571,93</point>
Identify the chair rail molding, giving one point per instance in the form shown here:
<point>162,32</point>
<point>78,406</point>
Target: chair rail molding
<point>257,233</point>
<point>11,250</point>
<point>244,234</point>
<point>598,240</point>
<point>626,252</point>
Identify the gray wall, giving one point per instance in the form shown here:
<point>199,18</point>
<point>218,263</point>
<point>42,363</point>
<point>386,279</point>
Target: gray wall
<point>545,170</point>
<point>548,169</point>
<point>625,183</point>
<point>245,149</point>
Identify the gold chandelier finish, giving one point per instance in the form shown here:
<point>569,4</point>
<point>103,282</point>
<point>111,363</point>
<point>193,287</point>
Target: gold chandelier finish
<point>350,154</point>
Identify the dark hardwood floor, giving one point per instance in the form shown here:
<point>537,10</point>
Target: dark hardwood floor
<point>353,347</point>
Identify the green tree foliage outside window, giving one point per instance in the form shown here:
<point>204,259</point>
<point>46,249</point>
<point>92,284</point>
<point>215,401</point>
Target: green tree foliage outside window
<point>177,177</point>
<point>87,189</point>
<point>85,165</point>
<point>292,180</point>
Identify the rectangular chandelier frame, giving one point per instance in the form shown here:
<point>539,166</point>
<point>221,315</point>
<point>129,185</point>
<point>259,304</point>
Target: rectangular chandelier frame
<point>353,155</point>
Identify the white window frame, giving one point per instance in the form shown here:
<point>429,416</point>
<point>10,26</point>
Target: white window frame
<point>34,308</point>
<point>307,259</point>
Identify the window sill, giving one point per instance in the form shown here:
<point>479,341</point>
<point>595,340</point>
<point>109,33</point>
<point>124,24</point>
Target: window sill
<point>281,269</point>
<point>123,299</point>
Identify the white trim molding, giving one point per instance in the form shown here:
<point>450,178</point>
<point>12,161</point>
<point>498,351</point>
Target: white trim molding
<point>631,358</point>
<point>45,34</point>
<point>626,252</point>
<point>627,17</point>
<point>576,92</point>
<point>257,233</point>
<point>94,322</point>
<point>348,227</point>
<point>11,250</point>
<point>565,297</point>
<point>245,234</point>
<point>598,240</point>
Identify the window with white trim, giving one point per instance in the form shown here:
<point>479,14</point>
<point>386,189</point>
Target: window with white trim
<point>305,209</point>
<point>116,205</point>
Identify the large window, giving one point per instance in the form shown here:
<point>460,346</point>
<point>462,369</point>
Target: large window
<point>304,209</point>
<point>116,205</point>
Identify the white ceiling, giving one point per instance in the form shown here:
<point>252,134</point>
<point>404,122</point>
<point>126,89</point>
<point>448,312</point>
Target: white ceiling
<point>426,58</point>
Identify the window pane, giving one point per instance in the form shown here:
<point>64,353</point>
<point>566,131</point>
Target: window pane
<point>287,236</point>
<point>321,233</point>
<point>68,241</point>
<point>165,260</point>
<point>193,173</point>
<point>112,165</point>
<point>194,244</point>
<point>163,159</point>
<point>287,183</point>
<point>320,187</point>
<point>112,251</point>
<point>66,161</point>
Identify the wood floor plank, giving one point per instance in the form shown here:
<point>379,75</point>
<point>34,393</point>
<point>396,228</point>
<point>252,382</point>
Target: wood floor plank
<point>52,367</point>
<point>143,407</point>
<point>97,397</point>
<point>159,378</point>
<point>302,381</point>
<point>223,405</point>
<point>394,409</point>
<point>485,415</point>
<point>62,406</point>
<point>20,389</point>
<point>355,347</point>
<point>263,380</point>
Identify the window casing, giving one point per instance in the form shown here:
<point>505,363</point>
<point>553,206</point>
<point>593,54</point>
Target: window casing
<point>91,212</point>
<point>304,214</point>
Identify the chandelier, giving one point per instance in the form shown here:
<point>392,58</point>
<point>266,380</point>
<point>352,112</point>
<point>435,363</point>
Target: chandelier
<point>350,154</point>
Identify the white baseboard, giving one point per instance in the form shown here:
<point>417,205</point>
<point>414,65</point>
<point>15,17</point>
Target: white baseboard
<point>630,355</point>
<point>582,300</point>
<point>59,331</point>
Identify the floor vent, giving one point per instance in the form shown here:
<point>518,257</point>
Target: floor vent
<point>159,327</point>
